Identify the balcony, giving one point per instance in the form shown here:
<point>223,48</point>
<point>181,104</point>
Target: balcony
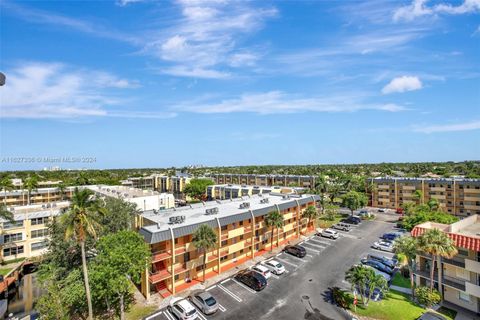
<point>180,250</point>
<point>224,237</point>
<point>180,268</point>
<point>472,265</point>
<point>159,276</point>
<point>247,229</point>
<point>224,252</point>
<point>454,262</point>
<point>472,289</point>
<point>454,282</point>
<point>161,255</point>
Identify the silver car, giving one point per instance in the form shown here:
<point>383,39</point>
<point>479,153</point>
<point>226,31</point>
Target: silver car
<point>204,301</point>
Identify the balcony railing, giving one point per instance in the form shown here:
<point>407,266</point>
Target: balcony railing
<point>454,282</point>
<point>159,276</point>
<point>454,262</point>
<point>161,255</point>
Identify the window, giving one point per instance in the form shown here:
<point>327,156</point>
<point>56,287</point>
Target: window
<point>12,237</point>
<point>224,243</point>
<point>241,237</point>
<point>14,224</point>
<point>224,228</point>
<point>241,223</point>
<point>463,296</point>
<point>462,252</point>
<point>37,221</point>
<point>39,233</point>
<point>12,251</point>
<point>39,245</point>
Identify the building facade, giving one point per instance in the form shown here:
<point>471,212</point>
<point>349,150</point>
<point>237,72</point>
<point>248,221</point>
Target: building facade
<point>458,279</point>
<point>230,191</point>
<point>161,183</point>
<point>265,180</point>
<point>39,196</point>
<point>460,197</point>
<point>241,234</point>
<point>27,236</point>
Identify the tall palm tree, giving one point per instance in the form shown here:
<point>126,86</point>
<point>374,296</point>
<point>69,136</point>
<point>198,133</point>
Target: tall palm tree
<point>418,195</point>
<point>204,239</point>
<point>357,277</point>
<point>5,215</point>
<point>7,185</point>
<point>274,220</point>
<point>310,213</point>
<point>375,281</point>
<point>81,222</point>
<point>433,204</point>
<point>61,190</point>
<point>406,249</point>
<point>31,183</point>
<point>437,244</point>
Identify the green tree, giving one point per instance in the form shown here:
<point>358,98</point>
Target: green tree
<point>406,250</point>
<point>31,184</point>
<point>375,281</point>
<point>61,190</point>
<point>204,239</point>
<point>5,214</point>
<point>81,222</point>
<point>7,185</point>
<point>433,204</point>
<point>273,220</point>
<point>423,215</point>
<point>122,257</point>
<point>119,215</point>
<point>354,200</point>
<point>197,188</point>
<point>437,244</point>
<point>310,213</point>
<point>427,297</point>
<point>357,277</point>
<point>82,179</point>
<point>331,211</point>
<point>418,195</point>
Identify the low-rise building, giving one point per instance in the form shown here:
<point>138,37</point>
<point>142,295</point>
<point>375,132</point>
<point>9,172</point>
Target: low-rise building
<point>21,197</point>
<point>230,191</point>
<point>458,278</point>
<point>27,235</point>
<point>159,182</point>
<point>265,179</point>
<point>458,196</point>
<point>241,235</point>
<point>144,199</point>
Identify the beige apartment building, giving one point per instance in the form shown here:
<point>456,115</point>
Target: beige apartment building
<point>27,236</point>
<point>38,196</point>
<point>265,180</point>
<point>241,233</point>
<point>458,279</point>
<point>457,196</point>
<point>230,191</point>
<point>161,183</point>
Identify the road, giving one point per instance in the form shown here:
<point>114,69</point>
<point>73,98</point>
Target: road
<point>302,292</point>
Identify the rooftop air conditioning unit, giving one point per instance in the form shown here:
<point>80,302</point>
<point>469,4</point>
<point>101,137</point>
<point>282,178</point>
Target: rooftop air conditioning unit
<point>176,219</point>
<point>245,205</point>
<point>211,211</point>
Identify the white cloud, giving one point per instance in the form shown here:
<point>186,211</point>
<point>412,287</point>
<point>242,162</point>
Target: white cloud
<point>466,126</point>
<point>123,3</point>
<point>402,84</point>
<point>419,8</point>
<point>274,102</point>
<point>54,90</point>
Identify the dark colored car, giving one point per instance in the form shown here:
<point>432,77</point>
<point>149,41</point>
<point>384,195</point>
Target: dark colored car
<point>378,265</point>
<point>388,262</point>
<point>251,279</point>
<point>296,250</point>
<point>352,220</point>
<point>390,236</point>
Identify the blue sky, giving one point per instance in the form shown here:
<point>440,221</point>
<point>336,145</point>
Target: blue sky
<point>157,84</point>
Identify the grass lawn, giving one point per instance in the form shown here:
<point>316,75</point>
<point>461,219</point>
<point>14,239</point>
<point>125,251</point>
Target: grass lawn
<point>138,312</point>
<point>400,281</point>
<point>4,271</point>
<point>323,223</point>
<point>395,305</point>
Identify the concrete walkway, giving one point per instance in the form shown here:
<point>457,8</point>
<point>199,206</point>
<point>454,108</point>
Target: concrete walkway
<point>401,289</point>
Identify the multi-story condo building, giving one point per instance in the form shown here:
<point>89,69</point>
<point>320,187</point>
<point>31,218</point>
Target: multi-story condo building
<point>27,235</point>
<point>144,199</point>
<point>161,183</point>
<point>458,279</point>
<point>38,196</point>
<point>457,196</point>
<point>230,191</point>
<point>241,234</point>
<point>265,180</point>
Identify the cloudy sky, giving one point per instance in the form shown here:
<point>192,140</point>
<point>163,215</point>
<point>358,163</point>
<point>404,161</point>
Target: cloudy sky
<point>138,83</point>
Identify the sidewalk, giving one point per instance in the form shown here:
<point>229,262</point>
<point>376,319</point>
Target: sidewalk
<point>401,289</point>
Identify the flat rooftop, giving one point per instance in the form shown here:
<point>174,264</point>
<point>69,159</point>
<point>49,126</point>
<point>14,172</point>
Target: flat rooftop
<point>457,179</point>
<point>229,211</point>
<point>122,191</point>
<point>469,226</point>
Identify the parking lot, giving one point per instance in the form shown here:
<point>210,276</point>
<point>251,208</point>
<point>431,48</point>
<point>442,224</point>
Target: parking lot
<point>302,291</point>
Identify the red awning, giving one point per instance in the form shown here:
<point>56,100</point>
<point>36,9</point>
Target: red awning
<point>462,241</point>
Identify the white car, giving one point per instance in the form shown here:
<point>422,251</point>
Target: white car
<point>264,271</point>
<point>182,309</point>
<point>274,266</point>
<point>329,233</point>
<point>383,245</point>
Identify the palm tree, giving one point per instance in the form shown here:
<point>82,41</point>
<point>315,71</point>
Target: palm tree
<point>437,244</point>
<point>31,183</point>
<point>406,249</point>
<point>418,195</point>
<point>81,222</point>
<point>375,281</point>
<point>61,190</point>
<point>357,277</point>
<point>204,239</point>
<point>310,213</point>
<point>274,220</point>
<point>7,185</point>
<point>5,214</point>
<point>433,204</point>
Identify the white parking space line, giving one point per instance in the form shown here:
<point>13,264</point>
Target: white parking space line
<point>153,315</point>
<point>309,255</point>
<point>212,287</point>
<point>230,293</point>
<point>199,313</point>
<point>225,281</point>
<point>320,242</point>
<point>244,286</point>
<point>313,250</point>
<point>298,259</point>
<point>274,276</point>
<point>316,246</point>
<point>350,236</point>
<point>169,315</point>
<point>278,254</point>
<point>221,308</point>
<point>287,262</point>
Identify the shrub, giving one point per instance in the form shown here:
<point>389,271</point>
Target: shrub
<point>341,298</point>
<point>427,297</point>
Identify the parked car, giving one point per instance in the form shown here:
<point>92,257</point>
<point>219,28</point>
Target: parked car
<point>383,245</point>
<point>391,236</point>
<point>342,226</point>
<point>264,271</point>
<point>182,309</point>
<point>383,274</point>
<point>204,301</point>
<point>296,250</point>
<point>274,266</point>
<point>377,265</point>
<point>388,262</point>
<point>252,279</point>
<point>328,233</point>
<point>363,211</point>
<point>430,315</point>
<point>382,209</point>
<point>352,220</point>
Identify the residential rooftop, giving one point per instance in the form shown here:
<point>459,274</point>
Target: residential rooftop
<point>469,226</point>
<point>121,192</point>
<point>38,210</point>
<point>456,179</point>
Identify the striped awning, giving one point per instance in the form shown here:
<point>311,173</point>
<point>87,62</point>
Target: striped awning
<point>462,241</point>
